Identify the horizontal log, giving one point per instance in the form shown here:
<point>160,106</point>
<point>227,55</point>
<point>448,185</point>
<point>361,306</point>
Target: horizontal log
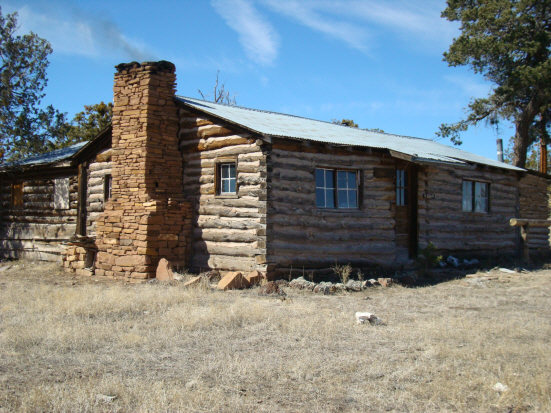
<point>223,235</point>
<point>223,262</point>
<point>224,211</point>
<point>517,222</point>
<point>229,249</point>
<point>233,223</point>
<point>36,231</point>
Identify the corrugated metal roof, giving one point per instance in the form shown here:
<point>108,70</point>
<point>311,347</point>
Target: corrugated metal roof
<point>289,126</point>
<point>46,158</point>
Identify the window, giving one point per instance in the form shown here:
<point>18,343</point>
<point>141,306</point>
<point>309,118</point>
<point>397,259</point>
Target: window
<point>17,195</point>
<point>344,194</point>
<point>227,184</point>
<point>61,193</point>
<point>401,187</point>
<point>476,196</point>
<point>106,187</point>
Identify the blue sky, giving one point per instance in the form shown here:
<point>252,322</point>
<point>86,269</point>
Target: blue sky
<point>378,62</point>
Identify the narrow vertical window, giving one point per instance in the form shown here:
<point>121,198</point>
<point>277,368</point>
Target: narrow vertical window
<point>467,196</point>
<point>61,193</point>
<point>17,195</point>
<point>228,179</point>
<point>325,188</point>
<point>106,187</point>
<point>481,197</point>
<point>347,193</point>
<point>401,187</point>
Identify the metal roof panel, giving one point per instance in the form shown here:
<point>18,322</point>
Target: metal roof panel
<point>289,126</point>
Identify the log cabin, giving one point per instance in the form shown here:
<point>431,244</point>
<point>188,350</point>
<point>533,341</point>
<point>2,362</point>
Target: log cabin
<point>213,186</point>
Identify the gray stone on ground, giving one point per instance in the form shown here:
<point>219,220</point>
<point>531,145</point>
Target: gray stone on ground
<point>355,285</point>
<point>302,284</point>
<point>365,317</point>
<point>325,288</point>
<point>271,288</point>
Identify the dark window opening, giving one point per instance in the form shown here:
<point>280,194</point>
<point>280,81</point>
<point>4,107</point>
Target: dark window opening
<point>401,187</point>
<point>476,196</point>
<point>336,189</point>
<point>107,187</point>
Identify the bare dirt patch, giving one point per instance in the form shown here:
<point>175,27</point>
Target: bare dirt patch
<point>76,344</point>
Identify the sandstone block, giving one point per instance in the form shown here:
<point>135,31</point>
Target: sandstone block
<point>164,270</point>
<point>194,281</point>
<point>130,260</point>
<point>385,282</point>
<point>254,277</point>
<point>232,280</point>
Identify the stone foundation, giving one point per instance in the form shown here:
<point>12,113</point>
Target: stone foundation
<point>79,256</point>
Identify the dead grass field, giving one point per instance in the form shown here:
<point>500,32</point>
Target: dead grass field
<point>66,341</point>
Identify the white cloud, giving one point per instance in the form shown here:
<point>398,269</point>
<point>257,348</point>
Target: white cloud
<point>358,22</point>
<point>256,34</point>
<point>75,34</point>
<point>406,17</point>
<point>469,86</point>
<point>310,15</point>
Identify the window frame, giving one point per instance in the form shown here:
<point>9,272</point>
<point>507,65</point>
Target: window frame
<point>473,197</point>
<point>335,189</point>
<point>107,187</point>
<point>401,185</point>
<point>59,185</point>
<point>219,163</point>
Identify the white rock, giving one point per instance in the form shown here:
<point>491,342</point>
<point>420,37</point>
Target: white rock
<point>500,387</point>
<point>105,398</point>
<point>507,270</point>
<point>192,384</point>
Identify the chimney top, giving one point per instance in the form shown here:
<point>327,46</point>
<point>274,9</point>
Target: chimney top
<point>160,66</point>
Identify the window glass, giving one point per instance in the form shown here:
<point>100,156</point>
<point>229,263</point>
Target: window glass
<point>106,187</point>
<point>345,192</point>
<point>61,193</point>
<point>401,187</point>
<point>347,189</point>
<point>467,196</point>
<point>481,197</point>
<point>228,181</point>
<point>325,190</point>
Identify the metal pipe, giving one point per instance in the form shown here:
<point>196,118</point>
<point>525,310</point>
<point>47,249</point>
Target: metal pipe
<point>499,150</point>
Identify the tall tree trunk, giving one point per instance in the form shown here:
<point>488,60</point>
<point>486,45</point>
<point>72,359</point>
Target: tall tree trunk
<point>522,132</point>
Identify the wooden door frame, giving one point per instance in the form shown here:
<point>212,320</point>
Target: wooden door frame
<point>413,230</point>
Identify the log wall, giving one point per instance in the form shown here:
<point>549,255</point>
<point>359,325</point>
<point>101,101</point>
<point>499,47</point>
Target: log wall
<point>36,230</point>
<point>229,232</point>
<point>443,222</point>
<point>302,235</point>
<point>534,204</point>
<point>96,171</point>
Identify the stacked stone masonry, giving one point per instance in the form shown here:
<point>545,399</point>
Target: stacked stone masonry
<point>146,217</point>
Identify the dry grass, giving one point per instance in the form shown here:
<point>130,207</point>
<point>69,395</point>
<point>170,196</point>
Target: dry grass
<point>65,341</point>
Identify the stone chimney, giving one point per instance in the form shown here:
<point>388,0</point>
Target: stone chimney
<point>146,217</point>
